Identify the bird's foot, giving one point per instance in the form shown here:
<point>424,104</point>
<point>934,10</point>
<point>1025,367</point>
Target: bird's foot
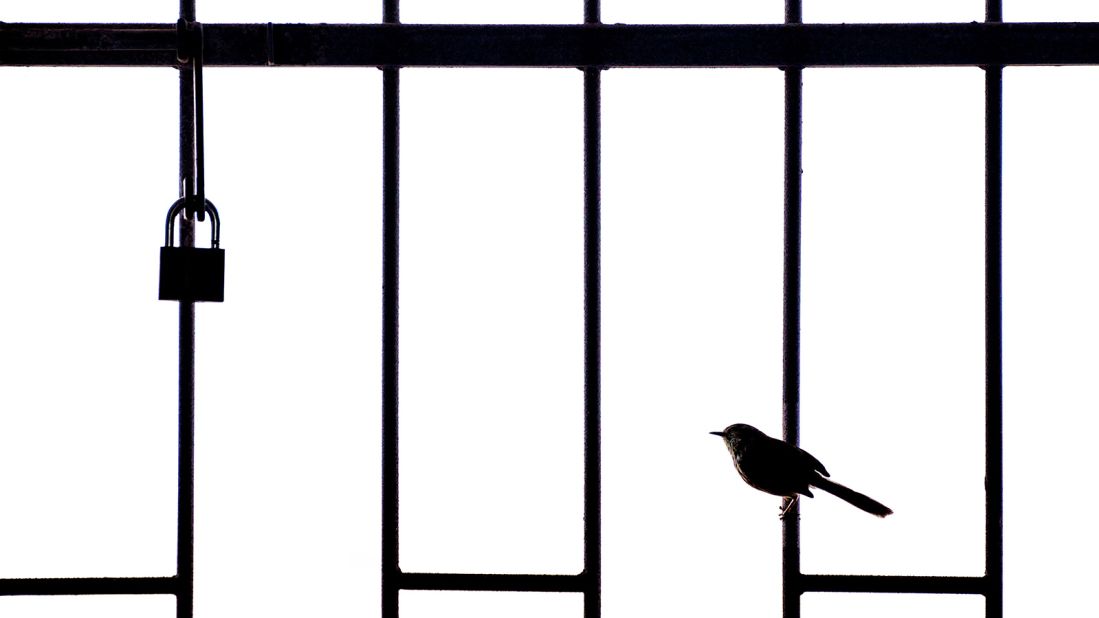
<point>788,503</point>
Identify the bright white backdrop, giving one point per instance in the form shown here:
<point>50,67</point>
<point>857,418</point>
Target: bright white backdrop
<point>288,429</point>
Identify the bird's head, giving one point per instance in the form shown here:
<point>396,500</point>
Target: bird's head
<point>734,434</point>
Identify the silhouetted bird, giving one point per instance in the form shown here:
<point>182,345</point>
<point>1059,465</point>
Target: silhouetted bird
<point>783,469</point>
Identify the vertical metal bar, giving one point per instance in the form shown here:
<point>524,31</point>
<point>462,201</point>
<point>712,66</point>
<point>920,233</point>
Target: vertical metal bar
<point>391,165</point>
<point>793,11</point>
<point>791,333</point>
<point>994,491</point>
<point>390,276</point>
<point>185,528</point>
<point>200,172</point>
<point>391,11</point>
<point>591,12</point>
<point>187,152</point>
<point>791,319</point>
<point>994,407</point>
<point>185,518</point>
<point>994,11</point>
<point>592,355</point>
<point>593,518</point>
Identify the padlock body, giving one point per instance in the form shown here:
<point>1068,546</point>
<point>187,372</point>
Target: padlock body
<point>192,274</point>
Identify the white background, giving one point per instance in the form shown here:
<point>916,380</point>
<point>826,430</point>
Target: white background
<point>288,403</point>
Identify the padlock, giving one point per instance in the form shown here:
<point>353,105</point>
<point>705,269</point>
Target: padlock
<point>192,274</point>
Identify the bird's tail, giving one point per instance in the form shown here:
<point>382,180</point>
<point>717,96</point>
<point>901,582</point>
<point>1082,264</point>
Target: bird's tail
<point>847,494</point>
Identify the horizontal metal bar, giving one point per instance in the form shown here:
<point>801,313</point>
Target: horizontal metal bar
<point>494,581</point>
<point>88,586</point>
<point>893,583</point>
<point>581,45</point>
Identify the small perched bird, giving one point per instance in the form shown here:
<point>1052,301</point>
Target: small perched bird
<point>783,469</point>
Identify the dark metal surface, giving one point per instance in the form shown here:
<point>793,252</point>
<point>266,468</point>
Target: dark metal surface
<point>391,166</point>
<point>198,206</point>
<point>185,527</point>
<point>994,11</point>
<point>893,584</point>
<point>391,11</point>
<point>390,277</point>
<point>188,172</point>
<point>192,274</point>
<point>581,45</point>
<point>592,12</point>
<point>497,582</point>
<point>994,409</point>
<point>791,318</point>
<point>48,586</point>
<point>592,349</point>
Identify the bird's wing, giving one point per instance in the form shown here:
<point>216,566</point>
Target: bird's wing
<point>780,451</point>
<point>814,463</point>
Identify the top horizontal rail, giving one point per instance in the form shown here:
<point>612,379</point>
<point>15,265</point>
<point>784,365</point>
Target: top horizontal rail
<point>588,45</point>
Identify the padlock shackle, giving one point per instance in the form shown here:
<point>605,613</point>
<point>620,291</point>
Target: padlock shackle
<point>177,207</point>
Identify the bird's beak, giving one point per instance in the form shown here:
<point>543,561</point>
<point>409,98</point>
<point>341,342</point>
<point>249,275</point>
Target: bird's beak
<point>717,433</point>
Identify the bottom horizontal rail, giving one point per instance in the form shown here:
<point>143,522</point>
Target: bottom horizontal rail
<point>88,586</point>
<point>893,583</point>
<point>493,581</point>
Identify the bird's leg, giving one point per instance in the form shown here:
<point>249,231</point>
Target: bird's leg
<point>789,502</point>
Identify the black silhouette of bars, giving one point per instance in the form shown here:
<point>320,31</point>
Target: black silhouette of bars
<point>579,45</point>
<point>796,583</point>
<point>591,46</point>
